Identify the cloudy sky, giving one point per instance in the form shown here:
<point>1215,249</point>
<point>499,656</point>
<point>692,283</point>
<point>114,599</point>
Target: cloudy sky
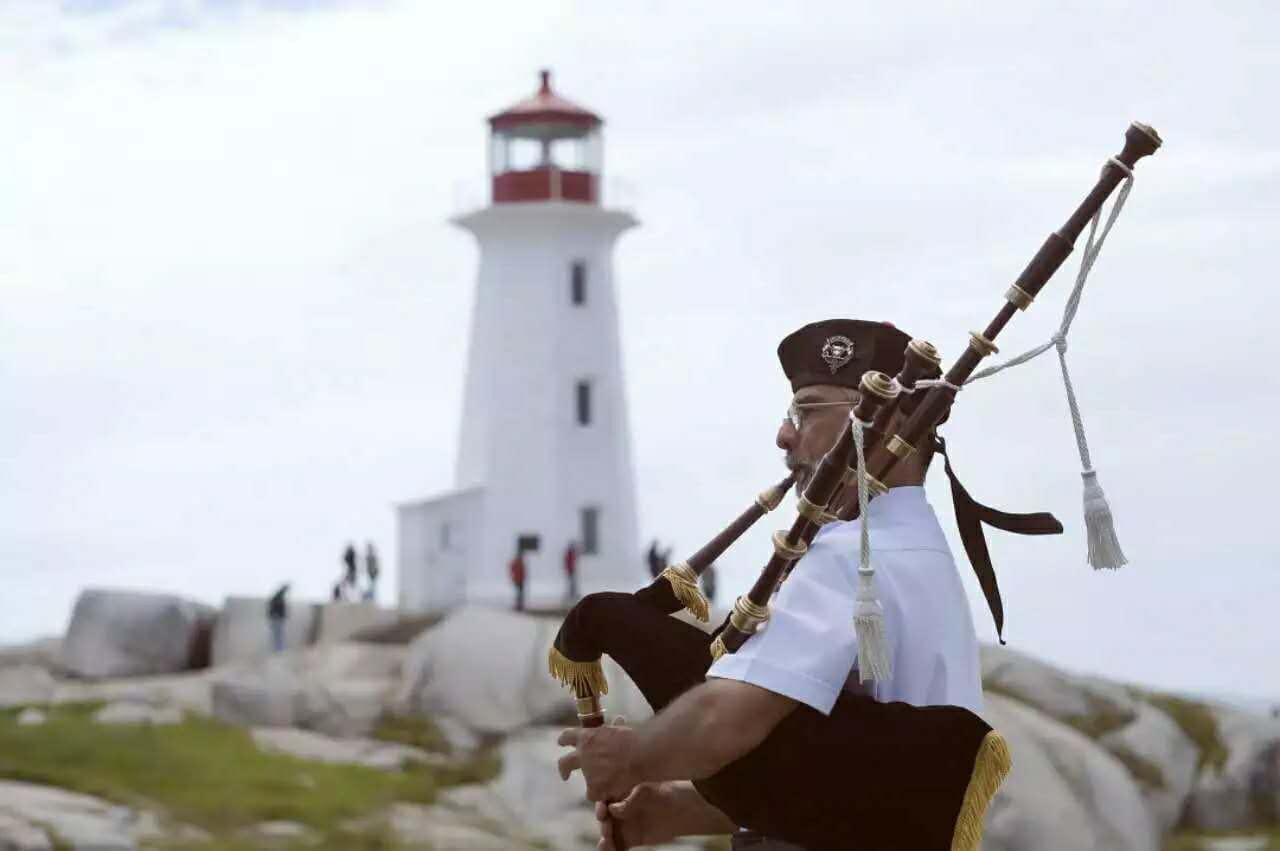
<point>232,311</point>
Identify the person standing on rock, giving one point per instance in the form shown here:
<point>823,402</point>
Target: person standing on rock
<point>277,614</point>
<point>654,558</point>
<point>371,568</point>
<point>517,570</point>
<point>349,559</point>
<point>571,571</point>
<point>808,655</point>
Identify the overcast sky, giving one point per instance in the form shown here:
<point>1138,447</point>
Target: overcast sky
<point>232,312</point>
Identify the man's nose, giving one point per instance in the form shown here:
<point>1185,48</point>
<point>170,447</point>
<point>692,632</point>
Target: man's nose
<point>787,436</point>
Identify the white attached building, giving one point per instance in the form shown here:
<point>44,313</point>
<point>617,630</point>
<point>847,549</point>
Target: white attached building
<point>545,454</point>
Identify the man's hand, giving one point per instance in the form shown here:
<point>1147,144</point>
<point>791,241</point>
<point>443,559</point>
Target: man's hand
<point>604,755</point>
<point>645,817</point>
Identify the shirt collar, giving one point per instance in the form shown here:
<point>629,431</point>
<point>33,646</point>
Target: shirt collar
<point>895,502</point>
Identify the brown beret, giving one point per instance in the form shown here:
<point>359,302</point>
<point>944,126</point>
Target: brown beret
<point>839,351</point>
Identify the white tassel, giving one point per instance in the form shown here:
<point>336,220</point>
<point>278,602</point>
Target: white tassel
<point>1104,547</point>
<point>874,662</point>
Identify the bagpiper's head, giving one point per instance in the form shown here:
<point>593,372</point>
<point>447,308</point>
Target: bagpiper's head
<point>825,361</point>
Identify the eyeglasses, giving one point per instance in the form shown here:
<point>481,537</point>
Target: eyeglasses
<point>795,409</point>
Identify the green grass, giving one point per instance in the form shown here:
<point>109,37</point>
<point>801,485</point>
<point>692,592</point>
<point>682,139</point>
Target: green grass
<point>1103,716</point>
<point>415,730</point>
<point>1195,841</point>
<point>1141,769</point>
<point>211,775</point>
<point>1198,722</point>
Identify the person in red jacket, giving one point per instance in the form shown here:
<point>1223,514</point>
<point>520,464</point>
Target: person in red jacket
<point>571,571</point>
<point>517,578</point>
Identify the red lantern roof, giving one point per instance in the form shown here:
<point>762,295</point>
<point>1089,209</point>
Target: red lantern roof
<point>545,107</point>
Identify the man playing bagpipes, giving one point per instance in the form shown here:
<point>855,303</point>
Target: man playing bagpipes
<point>836,707</point>
<point>808,655</point>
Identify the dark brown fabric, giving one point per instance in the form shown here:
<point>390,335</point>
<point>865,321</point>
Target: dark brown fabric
<point>970,515</point>
<point>801,785</point>
<point>870,345</point>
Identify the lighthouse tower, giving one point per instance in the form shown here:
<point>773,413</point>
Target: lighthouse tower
<point>545,454</point>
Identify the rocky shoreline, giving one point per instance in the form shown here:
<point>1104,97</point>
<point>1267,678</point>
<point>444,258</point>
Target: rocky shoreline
<point>467,706</point>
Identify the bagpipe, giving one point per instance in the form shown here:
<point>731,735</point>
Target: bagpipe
<point>933,769</point>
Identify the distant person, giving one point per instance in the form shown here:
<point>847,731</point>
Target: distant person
<point>337,591</point>
<point>709,582</point>
<point>517,570</point>
<point>571,570</point>
<point>371,569</point>
<point>349,559</point>
<point>655,559</point>
<point>277,613</point>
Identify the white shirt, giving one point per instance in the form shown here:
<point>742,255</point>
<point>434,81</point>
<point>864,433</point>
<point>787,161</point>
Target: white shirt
<point>808,650</point>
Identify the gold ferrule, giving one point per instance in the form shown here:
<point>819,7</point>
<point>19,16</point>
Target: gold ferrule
<point>809,510</point>
<point>827,517</point>
<point>878,384</point>
<point>874,485</point>
<point>771,498</point>
<point>926,350</point>
<point>746,616</point>
<point>785,550</point>
<point>981,344</point>
<point>899,447</point>
<point>588,706</point>
<point>1019,297</point>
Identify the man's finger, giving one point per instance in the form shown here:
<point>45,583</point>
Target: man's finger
<point>618,809</point>
<point>570,736</point>
<point>606,836</point>
<point>568,764</point>
<point>602,813</point>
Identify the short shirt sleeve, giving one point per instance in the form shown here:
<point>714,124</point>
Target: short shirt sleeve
<point>808,648</point>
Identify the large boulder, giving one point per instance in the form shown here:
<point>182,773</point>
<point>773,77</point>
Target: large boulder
<point>242,631</point>
<point>337,689</point>
<point>1161,758</point>
<point>488,669</point>
<point>190,691</point>
<point>1241,789</point>
<point>340,621</point>
<point>23,684</point>
<point>1065,793</point>
<point>131,633</point>
<point>1092,705</point>
<point>31,816</point>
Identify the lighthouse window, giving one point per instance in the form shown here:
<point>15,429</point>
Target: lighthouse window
<point>578,282</point>
<point>584,402</point>
<point>590,530</point>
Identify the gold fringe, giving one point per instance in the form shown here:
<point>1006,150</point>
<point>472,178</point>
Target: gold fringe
<point>718,649</point>
<point>583,677</point>
<point>684,584</point>
<point>990,768</point>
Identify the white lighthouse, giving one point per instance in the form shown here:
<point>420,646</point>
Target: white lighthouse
<point>545,453</point>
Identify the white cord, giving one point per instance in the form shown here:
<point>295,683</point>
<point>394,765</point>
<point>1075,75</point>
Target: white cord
<point>1104,546</point>
<point>874,661</point>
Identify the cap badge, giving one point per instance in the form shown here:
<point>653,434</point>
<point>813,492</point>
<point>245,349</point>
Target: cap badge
<point>837,351</point>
